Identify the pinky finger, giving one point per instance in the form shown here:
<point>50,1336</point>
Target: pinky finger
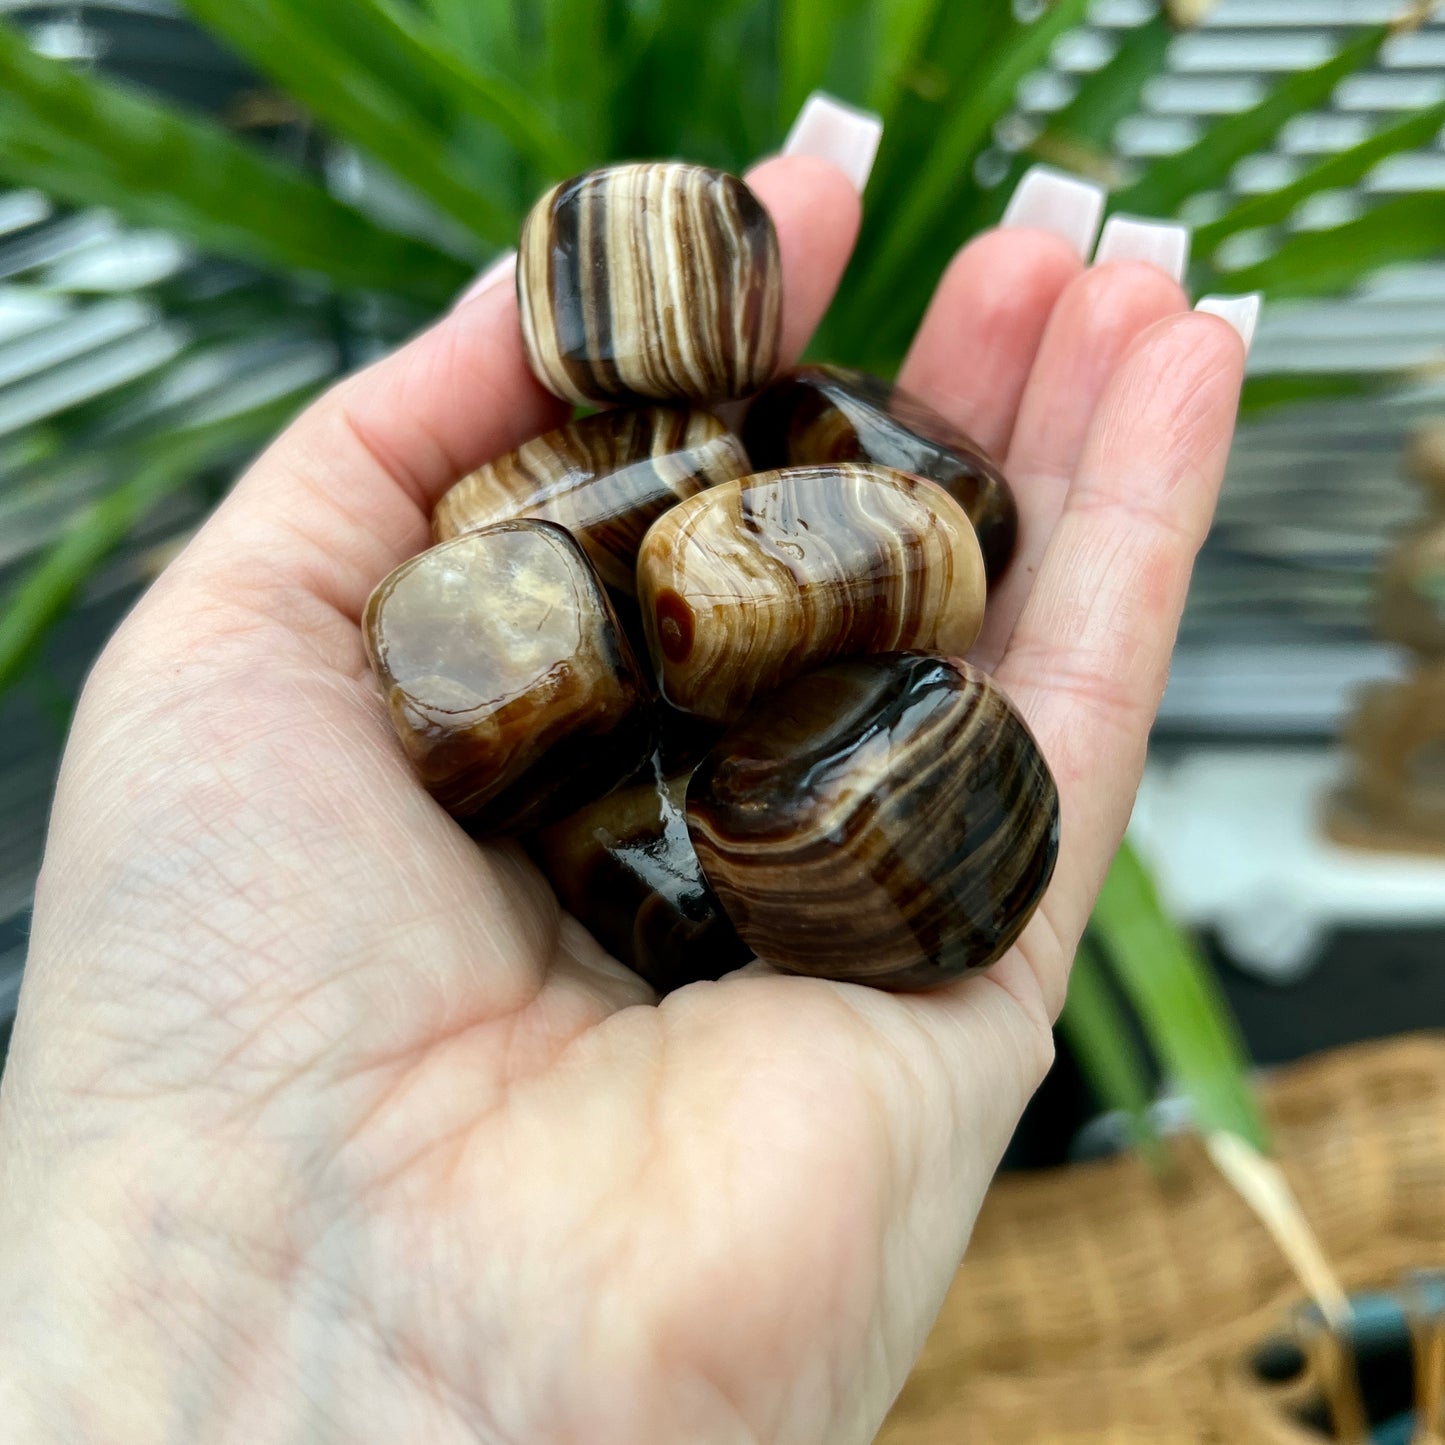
<point>1090,656</point>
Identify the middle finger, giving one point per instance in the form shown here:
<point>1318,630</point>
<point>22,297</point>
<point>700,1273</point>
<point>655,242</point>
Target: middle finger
<point>1092,326</point>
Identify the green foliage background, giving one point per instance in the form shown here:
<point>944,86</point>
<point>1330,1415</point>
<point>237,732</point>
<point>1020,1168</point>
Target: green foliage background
<point>462,110</point>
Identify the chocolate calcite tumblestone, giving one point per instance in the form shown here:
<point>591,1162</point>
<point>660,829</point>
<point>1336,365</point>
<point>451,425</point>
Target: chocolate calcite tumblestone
<point>508,680</point>
<point>749,583</point>
<point>656,281</point>
<point>625,868</point>
<point>885,820</point>
<point>820,414</point>
<point>605,478</point>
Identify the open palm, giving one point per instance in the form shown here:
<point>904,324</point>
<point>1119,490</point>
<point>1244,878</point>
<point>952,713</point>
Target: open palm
<point>323,1123</point>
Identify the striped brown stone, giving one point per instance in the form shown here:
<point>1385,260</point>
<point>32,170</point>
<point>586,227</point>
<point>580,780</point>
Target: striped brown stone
<point>605,478</point>
<point>507,678</point>
<point>656,281</point>
<point>625,868</point>
<point>819,414</point>
<point>749,583</point>
<point>885,820</point>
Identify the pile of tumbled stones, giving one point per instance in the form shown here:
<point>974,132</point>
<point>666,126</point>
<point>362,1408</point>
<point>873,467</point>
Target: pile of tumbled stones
<point>715,682</point>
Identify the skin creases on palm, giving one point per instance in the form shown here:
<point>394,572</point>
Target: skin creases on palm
<point>323,1123</point>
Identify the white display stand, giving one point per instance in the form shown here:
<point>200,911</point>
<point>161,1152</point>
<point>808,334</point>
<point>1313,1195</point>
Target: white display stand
<point>1234,839</point>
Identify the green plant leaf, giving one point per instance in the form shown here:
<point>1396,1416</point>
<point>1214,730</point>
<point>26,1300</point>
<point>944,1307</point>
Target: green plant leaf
<point>482,31</point>
<point>342,60</point>
<point>1265,393</point>
<point>151,471</point>
<point>946,169</point>
<point>823,44</point>
<point>1322,263</point>
<point>903,30</point>
<point>1111,93</point>
<point>1185,1016</point>
<point>90,142</point>
<point>1205,165</point>
<point>482,90</point>
<point>1343,169</point>
<point>935,81</point>
<point>578,68</point>
<point>1102,1041</point>
<point>686,94</point>
<point>1079,137</point>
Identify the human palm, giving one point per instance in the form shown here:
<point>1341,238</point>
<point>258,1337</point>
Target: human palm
<point>323,1123</point>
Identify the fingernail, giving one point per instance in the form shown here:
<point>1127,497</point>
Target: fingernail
<point>1160,243</point>
<point>832,131</point>
<point>502,269</point>
<point>1050,200</point>
<point>1242,313</point>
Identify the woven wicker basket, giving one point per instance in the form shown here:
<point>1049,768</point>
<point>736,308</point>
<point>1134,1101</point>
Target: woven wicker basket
<point>1100,1305</point>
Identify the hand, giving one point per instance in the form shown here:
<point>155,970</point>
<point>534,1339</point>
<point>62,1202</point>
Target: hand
<point>322,1123</point>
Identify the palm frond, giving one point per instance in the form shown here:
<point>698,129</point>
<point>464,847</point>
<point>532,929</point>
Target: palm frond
<point>480,31</point>
<point>1172,990</point>
<point>946,168</point>
<point>577,68</point>
<point>1343,169</point>
<point>1323,263</point>
<point>150,470</point>
<point>823,44</point>
<point>1269,391</point>
<point>1102,1040</point>
<point>1206,165</point>
<point>1079,137</point>
<point>90,142</point>
<point>386,84</point>
<point>901,46</point>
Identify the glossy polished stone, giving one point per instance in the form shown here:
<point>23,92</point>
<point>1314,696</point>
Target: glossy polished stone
<point>749,583</point>
<point>656,281</point>
<point>605,478</point>
<point>885,820</point>
<point>625,868</point>
<point>506,676</point>
<point>820,414</point>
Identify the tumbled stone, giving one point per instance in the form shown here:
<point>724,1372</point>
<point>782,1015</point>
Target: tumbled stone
<point>884,820</point>
<point>606,478</point>
<point>507,678</point>
<point>820,414</point>
<point>659,281</point>
<point>625,868</point>
<point>746,585</point>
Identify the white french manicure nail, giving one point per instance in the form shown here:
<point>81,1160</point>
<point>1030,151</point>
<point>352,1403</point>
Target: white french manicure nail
<point>832,131</point>
<point>1050,200</point>
<point>500,270</point>
<point>1160,243</point>
<point>1242,313</point>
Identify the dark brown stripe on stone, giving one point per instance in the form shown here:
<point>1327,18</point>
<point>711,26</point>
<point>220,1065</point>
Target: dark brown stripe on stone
<point>887,820</point>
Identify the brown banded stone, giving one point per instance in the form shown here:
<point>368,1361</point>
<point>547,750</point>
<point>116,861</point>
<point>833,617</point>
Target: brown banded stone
<point>625,868</point>
<point>606,478</point>
<point>659,281</point>
<point>508,681</point>
<point>820,414</point>
<point>885,820</point>
<point>751,582</point>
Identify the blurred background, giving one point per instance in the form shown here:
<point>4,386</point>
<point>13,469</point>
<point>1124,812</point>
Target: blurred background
<point>210,209</point>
